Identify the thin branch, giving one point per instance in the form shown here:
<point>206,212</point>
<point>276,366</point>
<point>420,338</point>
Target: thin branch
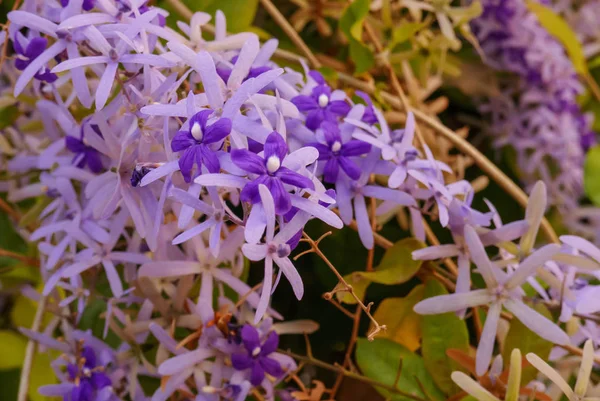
<point>29,351</point>
<point>290,32</point>
<point>347,287</point>
<point>13,255</point>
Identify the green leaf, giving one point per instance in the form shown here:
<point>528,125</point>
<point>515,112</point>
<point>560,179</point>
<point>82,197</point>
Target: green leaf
<point>359,286</point>
<point>239,13</point>
<point>591,175</point>
<point>404,32</point>
<point>351,24</point>
<point>519,336</point>
<point>8,115</point>
<point>12,349</point>
<point>403,323</point>
<point>41,375</point>
<point>440,333</point>
<point>380,360</point>
<point>558,27</point>
<point>397,265</point>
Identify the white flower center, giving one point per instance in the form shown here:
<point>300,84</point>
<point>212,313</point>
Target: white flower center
<point>323,100</point>
<point>255,352</point>
<point>197,132</point>
<point>87,372</point>
<point>273,164</point>
<point>209,390</point>
<point>336,146</point>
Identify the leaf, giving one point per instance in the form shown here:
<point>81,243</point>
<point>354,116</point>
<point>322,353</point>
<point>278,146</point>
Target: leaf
<point>403,324</point>
<point>591,175</point>
<point>558,27</point>
<point>8,115</point>
<point>519,336</point>
<point>351,24</point>
<point>359,286</point>
<point>397,265</point>
<point>12,349</point>
<point>404,32</point>
<point>239,13</point>
<point>440,333</point>
<point>41,374</point>
<point>380,360</point>
<point>23,312</point>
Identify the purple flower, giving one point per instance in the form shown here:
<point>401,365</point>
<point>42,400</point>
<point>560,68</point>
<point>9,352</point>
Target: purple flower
<point>84,154</point>
<point>337,154</point>
<point>25,56</point>
<point>319,106</point>
<point>199,143</point>
<point>256,358</point>
<point>88,376</point>
<point>255,71</point>
<point>369,115</point>
<point>271,173</point>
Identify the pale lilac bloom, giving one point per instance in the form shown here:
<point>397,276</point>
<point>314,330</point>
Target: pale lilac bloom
<point>503,290</point>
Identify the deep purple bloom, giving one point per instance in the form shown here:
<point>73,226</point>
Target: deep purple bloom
<point>84,154</point>
<point>87,376</point>
<point>318,106</point>
<point>256,356</point>
<point>25,56</point>
<point>270,172</point>
<point>338,154</point>
<point>199,143</point>
<point>87,4</point>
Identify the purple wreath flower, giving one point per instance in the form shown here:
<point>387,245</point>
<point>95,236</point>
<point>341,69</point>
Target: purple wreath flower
<point>35,47</point>
<point>270,173</point>
<point>256,356</point>
<point>198,143</point>
<point>88,376</point>
<point>369,115</point>
<point>84,154</point>
<point>318,106</point>
<point>337,154</point>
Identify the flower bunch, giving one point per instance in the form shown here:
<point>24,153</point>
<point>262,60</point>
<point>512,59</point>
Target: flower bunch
<point>538,114</point>
<point>165,159</point>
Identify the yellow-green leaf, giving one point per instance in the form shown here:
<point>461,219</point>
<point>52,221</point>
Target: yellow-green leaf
<point>359,286</point>
<point>404,32</point>
<point>12,349</point>
<point>41,375</point>
<point>397,265</point>
<point>558,27</point>
<point>351,24</point>
<point>403,324</point>
<point>591,175</point>
<point>440,333</point>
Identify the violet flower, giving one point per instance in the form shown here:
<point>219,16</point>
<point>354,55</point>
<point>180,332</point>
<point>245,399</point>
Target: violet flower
<point>256,358</point>
<point>85,154</point>
<point>319,106</point>
<point>337,153</point>
<point>200,142</point>
<point>35,47</point>
<point>271,172</point>
<point>87,5</point>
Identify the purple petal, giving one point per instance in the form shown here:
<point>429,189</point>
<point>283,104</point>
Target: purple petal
<point>331,170</point>
<point>270,344</point>
<point>488,339</point>
<point>241,361</point>
<point>272,367</point>
<point>275,146</point>
<point>292,178</point>
<point>537,323</point>
<point>250,338</point>
<point>248,161</point>
<point>349,167</point>
<point>305,103</point>
<point>453,302</point>
<point>217,131</point>
<point>355,148</point>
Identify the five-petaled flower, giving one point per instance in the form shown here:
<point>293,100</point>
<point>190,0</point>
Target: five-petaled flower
<point>271,172</point>
<point>337,153</point>
<point>256,358</point>
<point>320,106</point>
<point>35,47</point>
<point>200,142</point>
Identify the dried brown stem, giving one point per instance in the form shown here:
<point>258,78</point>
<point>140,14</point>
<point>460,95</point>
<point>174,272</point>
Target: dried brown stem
<point>346,287</point>
<point>13,255</point>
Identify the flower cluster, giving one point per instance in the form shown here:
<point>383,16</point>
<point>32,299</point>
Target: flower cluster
<point>165,160</point>
<point>537,114</point>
